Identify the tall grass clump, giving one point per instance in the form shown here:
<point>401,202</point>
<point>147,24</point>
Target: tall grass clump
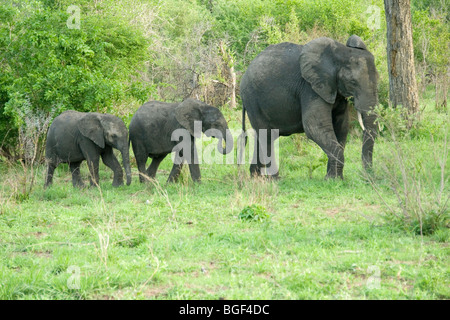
<point>416,176</point>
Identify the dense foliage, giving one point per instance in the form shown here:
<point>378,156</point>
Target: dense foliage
<point>48,66</point>
<point>128,51</point>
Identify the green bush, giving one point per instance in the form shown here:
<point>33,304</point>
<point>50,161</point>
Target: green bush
<point>54,68</point>
<point>254,212</point>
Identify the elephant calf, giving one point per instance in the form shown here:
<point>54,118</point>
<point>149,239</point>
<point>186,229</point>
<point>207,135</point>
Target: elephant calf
<point>76,136</point>
<point>153,134</point>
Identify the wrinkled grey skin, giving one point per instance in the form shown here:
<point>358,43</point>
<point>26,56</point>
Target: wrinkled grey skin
<point>76,136</point>
<point>151,131</point>
<point>304,88</point>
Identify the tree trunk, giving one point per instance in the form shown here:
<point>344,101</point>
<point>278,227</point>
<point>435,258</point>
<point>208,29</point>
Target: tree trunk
<point>233,88</point>
<point>402,75</point>
<point>441,81</point>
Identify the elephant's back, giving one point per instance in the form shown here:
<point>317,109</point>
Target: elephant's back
<point>276,62</point>
<point>152,126</point>
<point>151,116</point>
<point>153,111</point>
<point>270,89</point>
<point>65,124</point>
<point>62,136</point>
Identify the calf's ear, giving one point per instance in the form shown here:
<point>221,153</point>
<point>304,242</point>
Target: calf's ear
<point>91,128</point>
<point>187,113</point>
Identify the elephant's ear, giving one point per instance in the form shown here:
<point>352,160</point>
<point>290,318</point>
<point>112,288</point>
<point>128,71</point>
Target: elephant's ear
<point>91,128</point>
<point>187,113</point>
<point>318,67</point>
<point>356,42</point>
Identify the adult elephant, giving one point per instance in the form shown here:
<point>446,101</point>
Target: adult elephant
<point>156,127</point>
<point>76,136</point>
<point>304,88</point>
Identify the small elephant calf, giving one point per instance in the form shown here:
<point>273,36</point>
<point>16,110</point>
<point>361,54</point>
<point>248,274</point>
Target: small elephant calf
<point>76,136</point>
<point>154,123</point>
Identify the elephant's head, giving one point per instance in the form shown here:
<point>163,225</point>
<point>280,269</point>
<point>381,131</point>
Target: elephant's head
<point>212,120</point>
<point>349,70</point>
<point>106,129</point>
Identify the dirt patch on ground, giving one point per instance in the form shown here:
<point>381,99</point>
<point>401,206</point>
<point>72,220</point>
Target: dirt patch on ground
<point>41,254</point>
<point>349,211</point>
<point>331,212</point>
<point>203,270</point>
<point>38,234</point>
<point>155,292</point>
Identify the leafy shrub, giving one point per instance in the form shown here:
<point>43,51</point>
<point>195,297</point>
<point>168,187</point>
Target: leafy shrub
<point>254,212</point>
<point>52,67</point>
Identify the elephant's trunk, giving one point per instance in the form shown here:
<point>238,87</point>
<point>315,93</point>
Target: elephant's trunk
<point>228,142</point>
<point>365,103</point>
<point>126,163</point>
<point>369,135</point>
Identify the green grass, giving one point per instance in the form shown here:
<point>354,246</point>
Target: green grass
<point>317,239</point>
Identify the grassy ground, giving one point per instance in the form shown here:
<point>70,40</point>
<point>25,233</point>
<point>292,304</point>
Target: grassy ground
<point>315,239</point>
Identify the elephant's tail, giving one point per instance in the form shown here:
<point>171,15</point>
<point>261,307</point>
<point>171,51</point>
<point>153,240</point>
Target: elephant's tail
<point>242,140</point>
<point>243,126</point>
<point>243,123</point>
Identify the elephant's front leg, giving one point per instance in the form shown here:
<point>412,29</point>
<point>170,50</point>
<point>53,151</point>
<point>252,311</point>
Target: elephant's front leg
<point>369,135</point>
<point>93,165</point>
<point>318,125</point>
<point>110,160</point>
<point>177,166</point>
<point>175,172</point>
<point>92,155</point>
<point>340,118</point>
<point>193,162</point>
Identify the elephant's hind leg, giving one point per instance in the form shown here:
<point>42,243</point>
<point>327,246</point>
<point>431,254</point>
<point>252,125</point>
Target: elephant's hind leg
<point>141,157</point>
<point>153,167</point>
<point>255,166</point>
<point>264,155</point>
<point>76,177</point>
<point>50,170</point>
